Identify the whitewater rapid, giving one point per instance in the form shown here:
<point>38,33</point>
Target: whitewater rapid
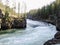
<point>36,33</point>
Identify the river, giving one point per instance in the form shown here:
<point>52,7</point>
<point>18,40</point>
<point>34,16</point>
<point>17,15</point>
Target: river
<point>36,33</point>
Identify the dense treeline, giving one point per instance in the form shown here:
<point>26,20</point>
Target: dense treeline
<point>48,12</point>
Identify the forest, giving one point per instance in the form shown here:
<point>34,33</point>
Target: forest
<point>49,12</point>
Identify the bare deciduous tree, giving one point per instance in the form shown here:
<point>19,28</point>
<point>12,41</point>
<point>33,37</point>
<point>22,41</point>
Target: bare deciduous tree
<point>18,9</point>
<point>14,7</point>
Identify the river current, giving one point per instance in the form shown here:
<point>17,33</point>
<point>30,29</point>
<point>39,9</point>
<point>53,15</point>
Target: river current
<point>36,33</point>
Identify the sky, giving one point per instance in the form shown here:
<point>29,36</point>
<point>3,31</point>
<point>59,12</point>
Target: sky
<point>30,4</point>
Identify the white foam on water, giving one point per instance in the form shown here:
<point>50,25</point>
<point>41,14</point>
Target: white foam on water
<point>30,36</point>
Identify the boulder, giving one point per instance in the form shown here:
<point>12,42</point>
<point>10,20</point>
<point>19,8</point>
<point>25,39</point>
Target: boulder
<point>57,28</point>
<point>17,23</point>
<point>5,26</point>
<point>57,35</point>
<point>58,23</point>
<point>50,42</point>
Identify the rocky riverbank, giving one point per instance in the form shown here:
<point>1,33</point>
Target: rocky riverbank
<point>55,40</point>
<point>16,23</point>
<point>7,22</point>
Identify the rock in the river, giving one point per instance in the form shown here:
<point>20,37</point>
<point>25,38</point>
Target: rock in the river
<point>57,35</point>
<point>50,42</point>
<point>17,23</point>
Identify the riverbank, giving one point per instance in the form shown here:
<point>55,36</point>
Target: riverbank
<point>7,31</point>
<point>7,22</point>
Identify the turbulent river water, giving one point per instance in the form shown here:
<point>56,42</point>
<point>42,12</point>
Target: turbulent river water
<point>36,33</point>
